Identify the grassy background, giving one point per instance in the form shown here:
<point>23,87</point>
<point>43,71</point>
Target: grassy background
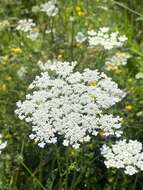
<point>25,166</point>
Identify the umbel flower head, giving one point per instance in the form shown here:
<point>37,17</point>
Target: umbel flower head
<point>70,105</point>
<point>29,27</point>
<point>106,39</point>
<point>125,155</point>
<point>50,8</point>
<point>25,25</point>
<point>119,59</point>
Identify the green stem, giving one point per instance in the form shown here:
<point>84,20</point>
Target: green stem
<point>22,146</point>
<point>135,182</point>
<point>60,172</point>
<point>14,178</point>
<point>78,179</point>
<point>40,168</point>
<point>67,165</point>
<point>124,183</point>
<point>11,182</point>
<point>127,8</point>
<point>72,34</point>
<point>116,180</point>
<point>32,175</point>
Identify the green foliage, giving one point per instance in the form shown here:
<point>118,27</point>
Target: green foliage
<point>22,164</point>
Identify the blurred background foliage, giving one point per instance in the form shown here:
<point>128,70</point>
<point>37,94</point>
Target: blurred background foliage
<point>23,165</point>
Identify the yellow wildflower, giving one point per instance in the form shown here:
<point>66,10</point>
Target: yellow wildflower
<point>16,50</point>
<point>129,107</point>
<point>60,56</point>
<point>8,77</point>
<point>81,13</point>
<point>3,87</point>
<point>78,8</point>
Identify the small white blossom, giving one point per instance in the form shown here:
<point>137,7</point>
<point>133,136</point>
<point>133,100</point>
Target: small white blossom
<point>125,155</point>
<point>104,29</point>
<point>21,72</point>
<point>33,35</point>
<point>50,31</point>
<point>71,18</point>
<point>139,75</point>
<point>103,8</point>
<point>80,37</point>
<point>50,8</point>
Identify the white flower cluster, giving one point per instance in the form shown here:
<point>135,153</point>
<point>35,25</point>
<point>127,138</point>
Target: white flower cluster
<point>80,37</point>
<point>70,105</point>
<point>29,27</point>
<point>50,8</point>
<point>25,25</point>
<point>2,144</point>
<point>125,155</point>
<point>120,58</point>
<point>106,39</point>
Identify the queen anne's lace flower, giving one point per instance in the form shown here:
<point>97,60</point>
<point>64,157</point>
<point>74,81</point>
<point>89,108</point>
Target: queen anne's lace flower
<point>29,27</point>
<point>50,8</point>
<point>119,59</point>
<point>106,39</point>
<point>25,25</point>
<point>125,155</point>
<point>70,104</point>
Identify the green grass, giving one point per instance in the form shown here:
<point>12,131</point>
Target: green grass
<point>25,166</point>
